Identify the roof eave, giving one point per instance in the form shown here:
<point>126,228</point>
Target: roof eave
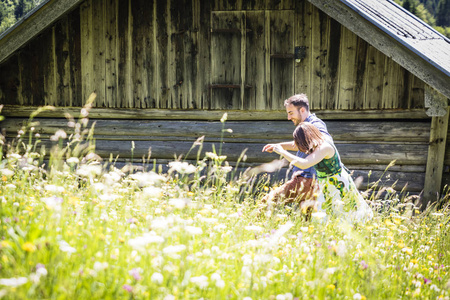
<point>409,59</point>
<point>32,24</point>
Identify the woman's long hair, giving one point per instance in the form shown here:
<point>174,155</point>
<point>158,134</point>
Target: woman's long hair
<point>307,137</point>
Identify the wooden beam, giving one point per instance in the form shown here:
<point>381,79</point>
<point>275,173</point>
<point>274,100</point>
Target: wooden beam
<point>212,115</point>
<point>385,43</point>
<point>435,160</point>
<point>32,24</point>
<point>367,131</point>
<point>435,102</point>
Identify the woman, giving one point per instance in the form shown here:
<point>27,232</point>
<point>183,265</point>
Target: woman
<point>339,195</point>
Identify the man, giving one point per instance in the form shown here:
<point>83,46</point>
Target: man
<point>302,185</point>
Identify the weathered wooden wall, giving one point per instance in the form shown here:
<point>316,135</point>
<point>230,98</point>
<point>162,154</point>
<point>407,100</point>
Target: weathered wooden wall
<point>201,54</point>
<point>366,147</point>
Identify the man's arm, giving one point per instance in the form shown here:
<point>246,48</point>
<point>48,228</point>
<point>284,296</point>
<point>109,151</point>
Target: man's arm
<point>289,146</point>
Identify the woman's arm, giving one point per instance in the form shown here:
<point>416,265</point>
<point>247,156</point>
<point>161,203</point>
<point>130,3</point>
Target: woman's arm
<point>286,146</point>
<point>323,151</point>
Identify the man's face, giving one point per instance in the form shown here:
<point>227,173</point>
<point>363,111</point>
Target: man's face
<point>294,114</point>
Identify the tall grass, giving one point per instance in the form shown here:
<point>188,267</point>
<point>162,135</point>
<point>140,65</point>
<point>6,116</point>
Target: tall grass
<point>77,228</point>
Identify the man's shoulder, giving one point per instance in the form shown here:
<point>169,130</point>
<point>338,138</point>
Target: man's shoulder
<point>314,119</point>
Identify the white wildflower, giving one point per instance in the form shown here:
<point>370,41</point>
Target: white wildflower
<point>357,296</point>
<point>152,192</point>
<point>13,282</point>
<point>10,186</point>
<point>179,203</point>
<point>341,248</point>
<point>139,243</point>
<point>193,230</point>
<point>174,249</point>
<point>53,203</point>
<point>145,179</point>
<point>65,247</point>
<point>157,278</point>
<point>319,215</point>
<point>7,172</point>
<point>211,155</point>
<point>73,160</point>
<point>200,281</point>
<point>54,188</point>
<point>100,266</point>
<point>60,134</point>
<point>224,118</point>
<point>89,170</point>
<point>254,228</point>
<point>182,167</point>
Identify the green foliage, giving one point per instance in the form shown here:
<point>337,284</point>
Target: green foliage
<point>12,11</point>
<point>443,13</point>
<point>435,13</point>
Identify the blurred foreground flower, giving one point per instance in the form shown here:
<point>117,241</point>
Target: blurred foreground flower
<point>65,247</point>
<point>157,278</point>
<point>182,167</point>
<point>28,247</point>
<point>13,282</point>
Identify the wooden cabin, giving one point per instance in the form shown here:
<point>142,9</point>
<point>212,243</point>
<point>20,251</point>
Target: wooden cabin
<point>165,72</point>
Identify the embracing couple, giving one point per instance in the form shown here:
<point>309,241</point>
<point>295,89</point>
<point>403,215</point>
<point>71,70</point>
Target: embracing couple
<point>319,178</point>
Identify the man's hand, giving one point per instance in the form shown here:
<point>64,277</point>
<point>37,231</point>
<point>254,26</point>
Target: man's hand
<point>268,148</point>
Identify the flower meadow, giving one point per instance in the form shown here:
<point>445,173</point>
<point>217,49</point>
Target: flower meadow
<point>75,227</point>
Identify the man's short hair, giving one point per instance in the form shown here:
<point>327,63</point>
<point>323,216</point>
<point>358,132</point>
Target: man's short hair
<point>299,100</point>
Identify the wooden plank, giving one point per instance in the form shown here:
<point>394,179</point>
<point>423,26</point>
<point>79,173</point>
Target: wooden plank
<point>75,98</point>
<point>48,62</point>
<point>393,84</point>
<point>435,160</point>
<point>62,75</point>
<point>25,94</point>
<point>189,38</point>
<point>412,132</point>
<point>31,25</point>
<point>331,89</point>
<point>151,58</point>
<point>318,31</point>
<point>38,66</point>
<point>140,11</point>
<point>347,70</point>
<point>111,52</point>
<point>253,5</point>
<point>353,155</point>
<point>124,63</point>
<point>418,93</point>
<point>162,48</point>
<point>9,81</point>
<point>302,38</point>
<point>280,4</point>
<point>360,65</point>
<point>99,49</point>
<point>254,61</point>
<point>87,51</point>
<point>409,182</point>
<point>226,59</point>
<point>161,114</point>
<point>268,85</point>
<point>374,79</point>
<point>202,25</point>
<point>281,70</point>
<point>179,28</point>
